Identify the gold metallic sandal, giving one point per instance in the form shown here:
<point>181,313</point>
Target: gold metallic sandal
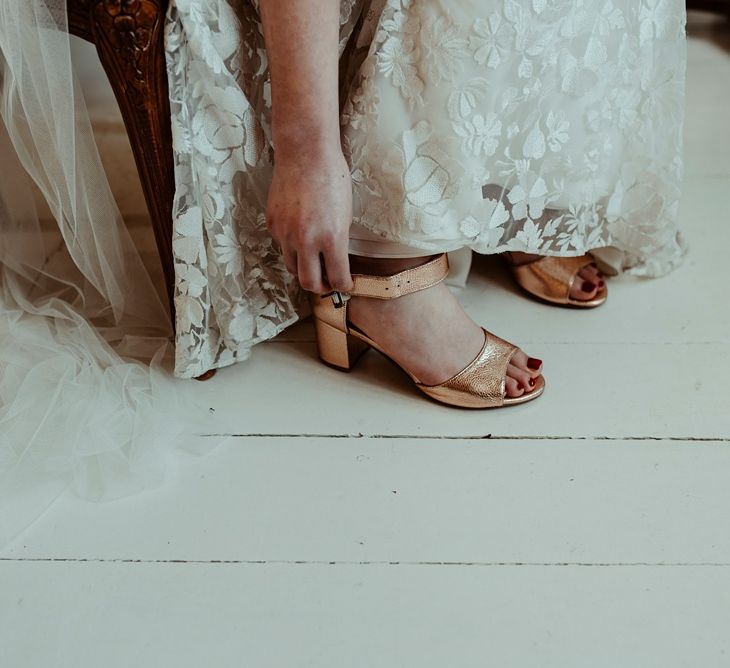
<point>551,279</point>
<point>480,385</point>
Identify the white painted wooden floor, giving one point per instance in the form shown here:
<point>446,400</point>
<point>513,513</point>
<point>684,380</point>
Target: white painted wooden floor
<point>349,523</point>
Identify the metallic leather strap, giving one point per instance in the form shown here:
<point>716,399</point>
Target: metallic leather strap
<point>403,283</point>
<point>551,277</point>
<point>482,383</point>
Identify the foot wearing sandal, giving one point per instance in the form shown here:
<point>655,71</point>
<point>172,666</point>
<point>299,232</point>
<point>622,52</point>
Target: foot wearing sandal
<point>401,308</point>
<point>565,281</point>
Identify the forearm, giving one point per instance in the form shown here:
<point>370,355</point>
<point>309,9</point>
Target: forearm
<point>301,42</point>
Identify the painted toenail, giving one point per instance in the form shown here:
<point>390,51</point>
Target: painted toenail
<point>588,286</point>
<point>532,382</point>
<point>533,363</point>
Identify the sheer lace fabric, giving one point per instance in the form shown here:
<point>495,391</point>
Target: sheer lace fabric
<point>549,126</point>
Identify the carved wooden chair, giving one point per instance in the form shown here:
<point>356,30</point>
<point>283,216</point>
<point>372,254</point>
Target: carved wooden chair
<point>718,6</point>
<point>128,35</point>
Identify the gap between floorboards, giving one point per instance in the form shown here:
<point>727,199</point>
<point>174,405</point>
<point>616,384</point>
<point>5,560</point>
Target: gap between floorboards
<point>303,562</point>
<point>474,437</point>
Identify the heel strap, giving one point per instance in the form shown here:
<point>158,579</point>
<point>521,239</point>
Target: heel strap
<point>403,283</point>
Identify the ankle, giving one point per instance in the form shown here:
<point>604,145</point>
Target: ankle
<point>377,266</point>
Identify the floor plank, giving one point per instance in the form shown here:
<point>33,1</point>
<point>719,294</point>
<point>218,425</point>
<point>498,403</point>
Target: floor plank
<point>329,616</point>
<point>414,500</point>
<point>593,390</point>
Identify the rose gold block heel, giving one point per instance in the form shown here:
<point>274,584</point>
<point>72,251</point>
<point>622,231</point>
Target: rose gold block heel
<point>337,348</point>
<point>481,384</point>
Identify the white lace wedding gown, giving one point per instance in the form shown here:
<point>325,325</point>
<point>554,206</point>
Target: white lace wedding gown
<point>548,126</point>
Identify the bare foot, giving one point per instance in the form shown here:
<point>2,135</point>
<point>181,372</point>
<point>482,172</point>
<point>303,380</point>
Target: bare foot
<point>427,332</point>
<point>582,290</point>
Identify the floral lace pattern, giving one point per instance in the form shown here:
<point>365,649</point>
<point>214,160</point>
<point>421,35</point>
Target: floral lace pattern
<point>548,126</point>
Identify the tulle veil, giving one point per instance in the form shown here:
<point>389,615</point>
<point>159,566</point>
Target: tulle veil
<point>87,398</point>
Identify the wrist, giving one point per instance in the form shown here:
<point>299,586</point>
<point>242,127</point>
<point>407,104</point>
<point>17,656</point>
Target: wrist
<point>307,148</point>
<point>303,127</point>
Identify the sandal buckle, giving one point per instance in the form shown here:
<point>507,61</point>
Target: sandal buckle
<point>339,299</point>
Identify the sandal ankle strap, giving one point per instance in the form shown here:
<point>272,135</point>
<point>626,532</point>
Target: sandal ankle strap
<point>403,283</point>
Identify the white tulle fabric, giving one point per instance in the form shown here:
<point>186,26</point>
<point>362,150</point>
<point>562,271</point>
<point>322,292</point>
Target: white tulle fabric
<point>87,399</point>
<point>548,126</point>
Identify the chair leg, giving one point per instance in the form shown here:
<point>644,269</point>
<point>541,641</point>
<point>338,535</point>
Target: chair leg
<point>717,6</point>
<point>129,39</point>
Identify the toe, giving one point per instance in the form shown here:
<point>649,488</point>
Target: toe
<point>531,365</point>
<point>591,273</point>
<point>583,289</point>
<point>590,270</point>
<point>512,388</point>
<point>524,380</point>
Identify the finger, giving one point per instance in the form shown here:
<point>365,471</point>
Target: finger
<point>337,268</point>
<point>309,271</point>
<point>290,260</point>
<point>271,228</point>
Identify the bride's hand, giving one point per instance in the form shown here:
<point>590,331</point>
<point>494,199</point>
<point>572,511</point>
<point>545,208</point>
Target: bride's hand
<point>309,214</point>
<point>310,202</point>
